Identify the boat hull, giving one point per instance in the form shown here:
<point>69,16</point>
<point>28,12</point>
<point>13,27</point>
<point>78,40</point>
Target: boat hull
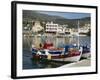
<point>75,56</point>
<point>71,59</point>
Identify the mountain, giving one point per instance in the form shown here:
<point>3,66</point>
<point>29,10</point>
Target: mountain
<point>29,16</point>
<point>35,15</point>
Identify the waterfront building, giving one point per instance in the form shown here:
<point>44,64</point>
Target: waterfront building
<point>67,30</point>
<point>37,27</point>
<point>51,27</point>
<point>85,28</point>
<point>55,28</point>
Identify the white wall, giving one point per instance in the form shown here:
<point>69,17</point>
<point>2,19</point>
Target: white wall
<point>5,37</point>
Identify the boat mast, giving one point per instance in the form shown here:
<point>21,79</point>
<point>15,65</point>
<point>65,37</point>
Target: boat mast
<point>78,34</point>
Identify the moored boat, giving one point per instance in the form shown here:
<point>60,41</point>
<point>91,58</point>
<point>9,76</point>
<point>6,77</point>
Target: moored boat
<point>58,54</point>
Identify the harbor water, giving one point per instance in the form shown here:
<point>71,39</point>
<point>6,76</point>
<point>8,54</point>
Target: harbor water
<point>29,63</point>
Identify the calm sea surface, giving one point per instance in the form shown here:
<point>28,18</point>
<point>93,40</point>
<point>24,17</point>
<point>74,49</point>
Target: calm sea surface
<point>28,63</point>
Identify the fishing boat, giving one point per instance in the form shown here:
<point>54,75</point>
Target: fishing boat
<point>68,53</point>
<point>85,52</point>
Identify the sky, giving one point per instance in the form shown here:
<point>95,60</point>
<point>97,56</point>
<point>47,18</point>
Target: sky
<point>68,15</point>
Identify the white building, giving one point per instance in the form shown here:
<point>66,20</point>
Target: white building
<point>56,28</point>
<point>68,30</point>
<point>51,27</point>
<point>37,27</point>
<point>85,28</point>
